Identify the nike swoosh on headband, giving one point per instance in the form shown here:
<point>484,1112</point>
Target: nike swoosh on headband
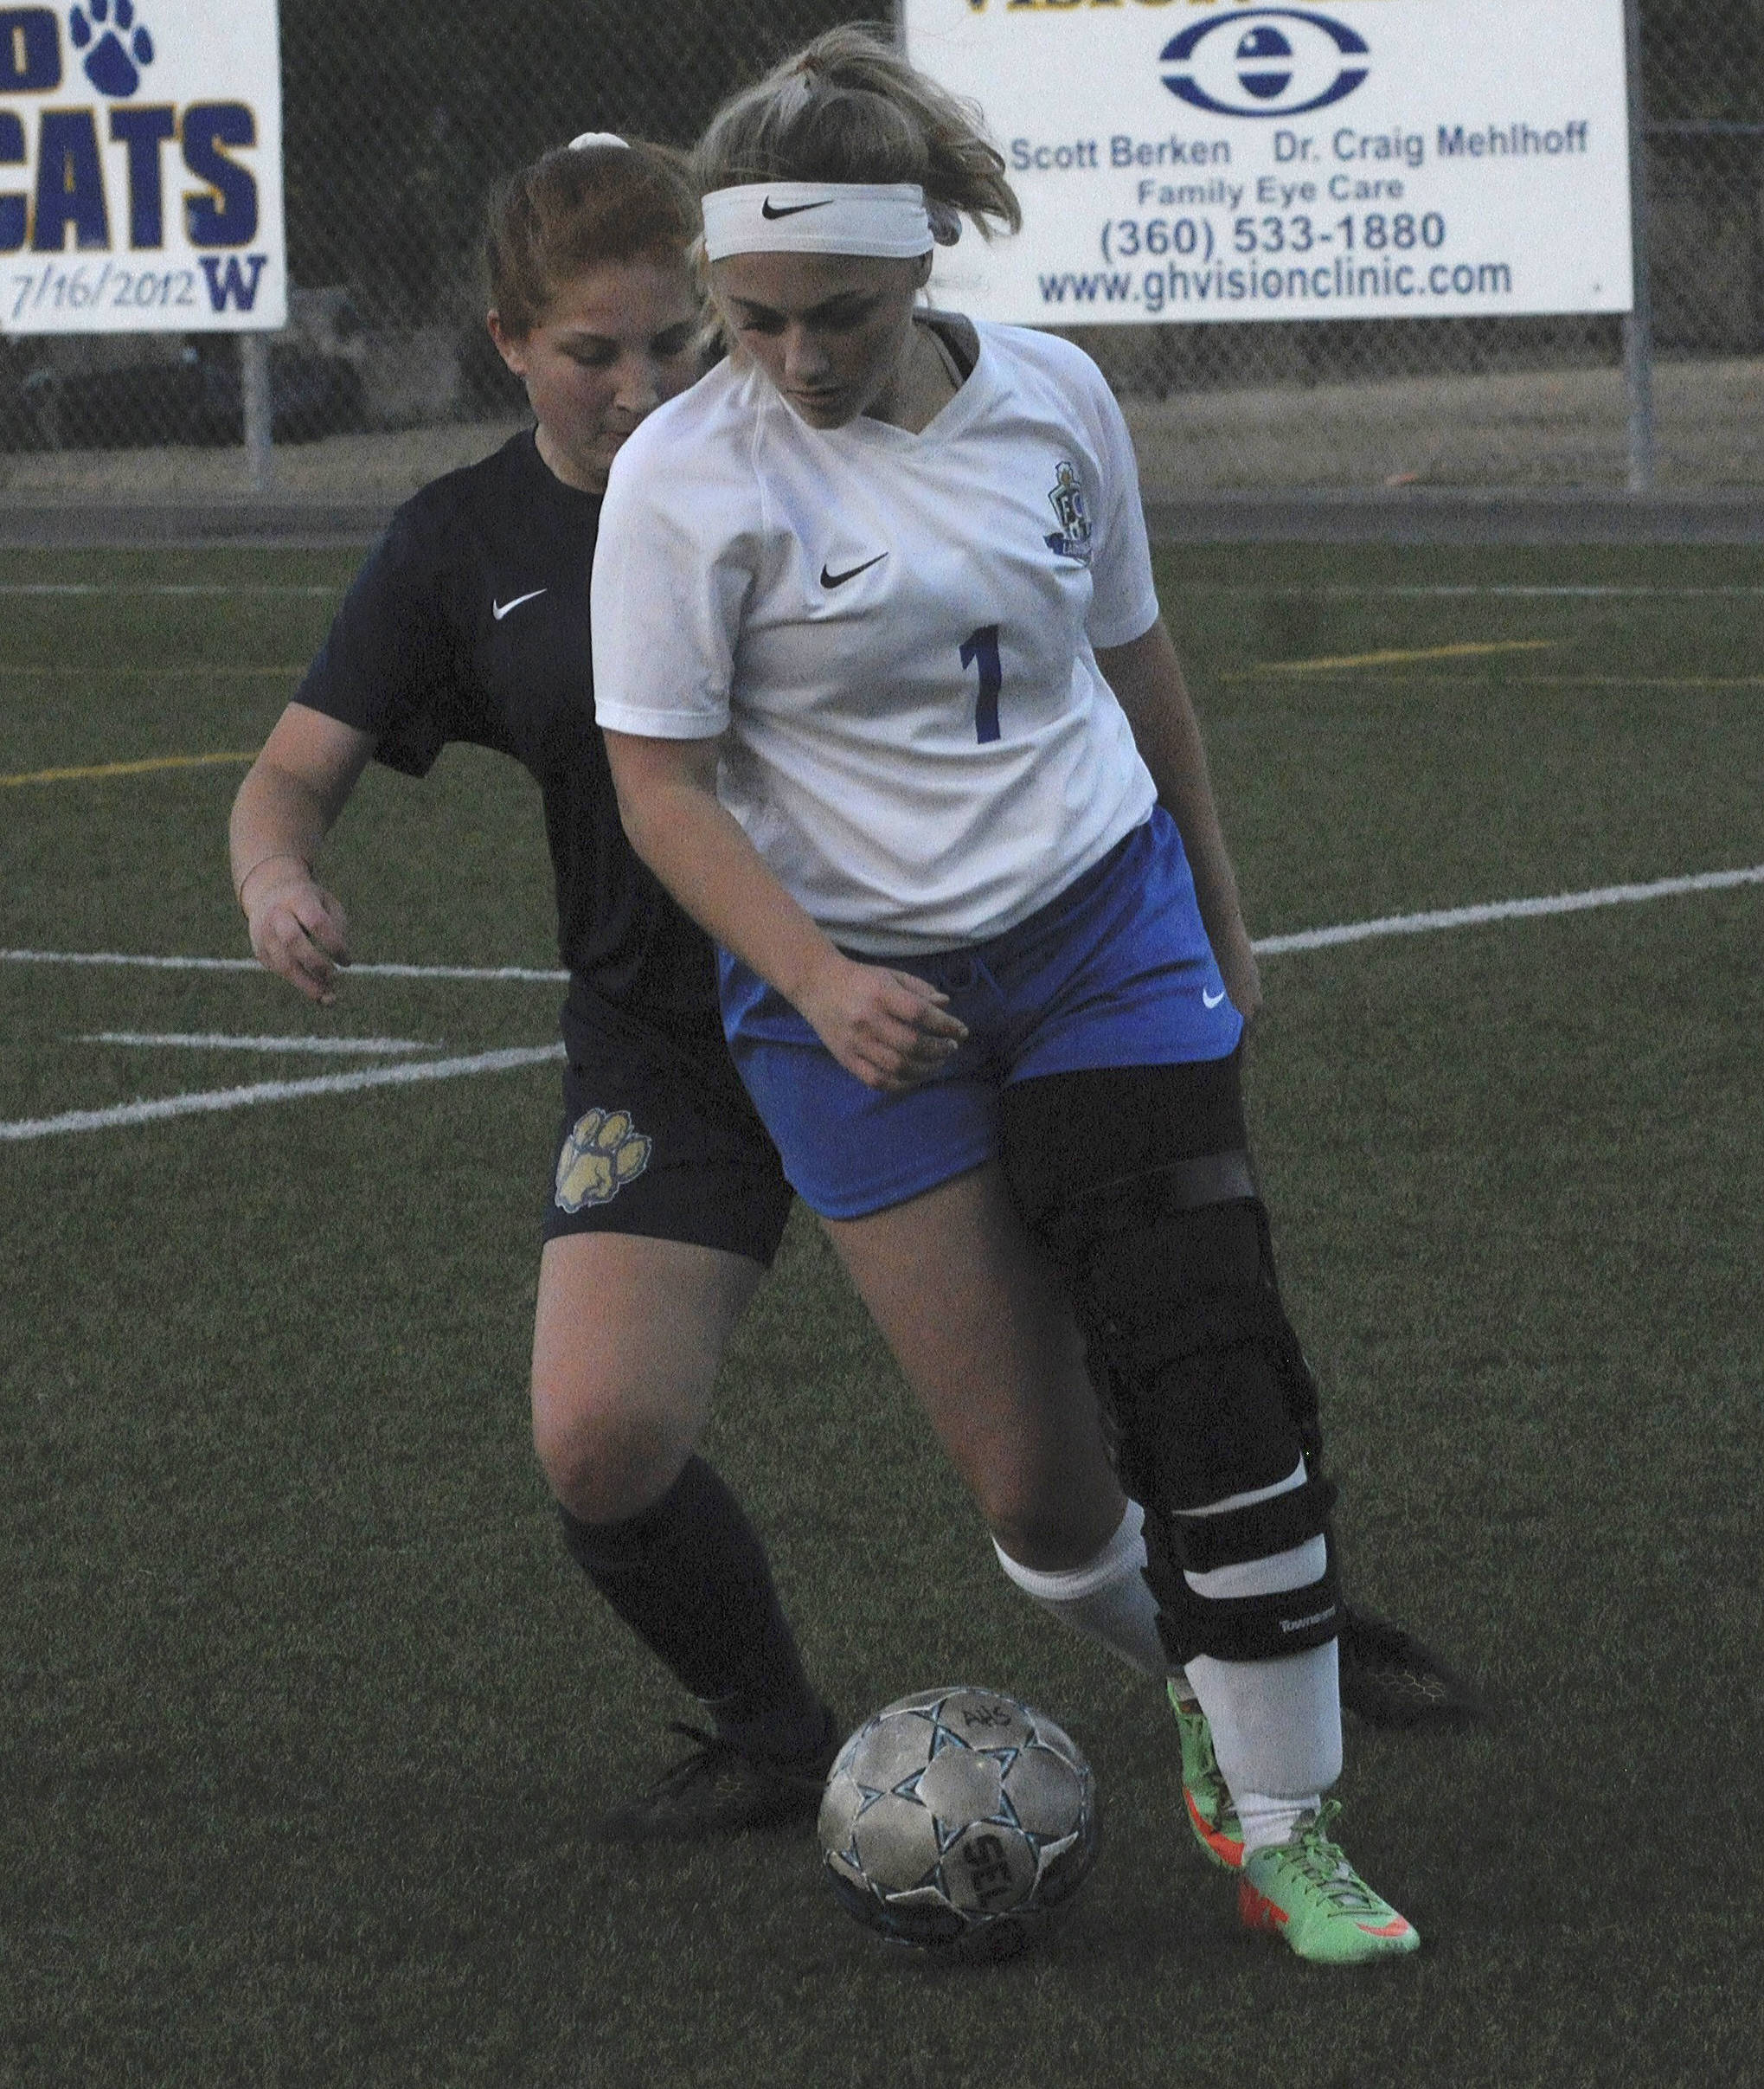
<point>768,210</point>
<point>838,580</point>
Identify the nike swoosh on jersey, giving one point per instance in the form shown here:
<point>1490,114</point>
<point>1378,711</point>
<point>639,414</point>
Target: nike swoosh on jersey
<point>838,580</point>
<point>1211,1001</point>
<point>500,610</point>
<point>768,208</point>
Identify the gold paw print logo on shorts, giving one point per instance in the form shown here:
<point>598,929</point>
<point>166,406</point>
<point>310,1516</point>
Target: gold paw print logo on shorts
<point>602,1153</point>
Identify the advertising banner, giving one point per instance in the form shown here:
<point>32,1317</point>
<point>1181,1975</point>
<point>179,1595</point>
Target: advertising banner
<point>1211,160</point>
<point>141,168</point>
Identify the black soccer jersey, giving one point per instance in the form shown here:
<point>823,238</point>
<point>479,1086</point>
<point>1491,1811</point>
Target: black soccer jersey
<point>470,621</point>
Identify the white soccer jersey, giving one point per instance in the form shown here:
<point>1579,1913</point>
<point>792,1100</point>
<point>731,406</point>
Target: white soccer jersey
<point>894,631</point>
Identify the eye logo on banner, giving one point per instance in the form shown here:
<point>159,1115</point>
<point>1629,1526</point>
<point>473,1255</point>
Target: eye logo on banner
<point>1273,61</point>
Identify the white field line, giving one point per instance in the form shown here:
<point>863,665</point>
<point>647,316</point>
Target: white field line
<point>81,671</point>
<point>1468,591</point>
<point>497,1062</point>
<point>208,587</point>
<point>1506,910</point>
<point>249,964</point>
<point>207,1041</point>
<point>1267,946</point>
<point>1347,590</point>
<point>280,1091</point>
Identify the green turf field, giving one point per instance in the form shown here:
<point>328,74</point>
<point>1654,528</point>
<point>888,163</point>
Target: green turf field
<point>306,1720</point>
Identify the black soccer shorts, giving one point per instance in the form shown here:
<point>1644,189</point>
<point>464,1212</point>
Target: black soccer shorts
<point>658,1138</point>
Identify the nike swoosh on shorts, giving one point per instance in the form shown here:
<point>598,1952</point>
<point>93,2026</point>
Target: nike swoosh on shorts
<point>500,610</point>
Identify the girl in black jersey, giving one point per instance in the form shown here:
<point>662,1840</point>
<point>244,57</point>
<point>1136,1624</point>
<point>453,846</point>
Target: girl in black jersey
<point>470,621</point>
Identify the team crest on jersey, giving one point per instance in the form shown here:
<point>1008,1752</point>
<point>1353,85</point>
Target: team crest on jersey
<point>604,1151</point>
<point>1071,538</point>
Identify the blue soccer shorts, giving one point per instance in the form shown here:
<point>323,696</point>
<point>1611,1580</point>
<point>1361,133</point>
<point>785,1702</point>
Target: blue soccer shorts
<point>1116,971</point>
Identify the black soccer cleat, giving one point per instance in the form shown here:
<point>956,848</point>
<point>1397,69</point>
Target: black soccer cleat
<point>1391,1679</point>
<point>721,1788</point>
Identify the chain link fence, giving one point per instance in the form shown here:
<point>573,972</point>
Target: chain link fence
<point>399,119</point>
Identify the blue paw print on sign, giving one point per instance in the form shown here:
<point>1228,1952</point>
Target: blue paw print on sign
<point>113,64</point>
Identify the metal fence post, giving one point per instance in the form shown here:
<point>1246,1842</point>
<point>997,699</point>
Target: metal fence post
<point>1637,326</point>
<point>254,388</point>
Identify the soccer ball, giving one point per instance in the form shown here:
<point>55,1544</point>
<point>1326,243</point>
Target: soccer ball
<point>959,1820</point>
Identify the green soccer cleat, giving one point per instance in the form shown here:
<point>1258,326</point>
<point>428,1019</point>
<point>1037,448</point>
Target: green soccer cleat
<point>1212,1813</point>
<point>1306,1892</point>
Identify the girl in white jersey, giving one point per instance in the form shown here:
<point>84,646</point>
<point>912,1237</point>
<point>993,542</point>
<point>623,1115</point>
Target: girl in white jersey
<point>891,711</point>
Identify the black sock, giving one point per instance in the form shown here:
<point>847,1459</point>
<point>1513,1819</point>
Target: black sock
<point>688,1575</point>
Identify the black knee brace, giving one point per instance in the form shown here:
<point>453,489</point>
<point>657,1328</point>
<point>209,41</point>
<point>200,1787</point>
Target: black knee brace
<point>1170,1269</point>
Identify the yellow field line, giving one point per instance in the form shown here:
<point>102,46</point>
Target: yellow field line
<point>1388,660</point>
<point>126,768</point>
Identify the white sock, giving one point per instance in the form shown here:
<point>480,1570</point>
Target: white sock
<point>1106,1599</point>
<point>1266,1820</point>
<point>1276,1724</point>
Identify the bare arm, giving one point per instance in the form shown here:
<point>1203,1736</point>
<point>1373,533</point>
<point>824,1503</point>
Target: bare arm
<point>285,807</point>
<point>1147,679</point>
<point>888,1028</point>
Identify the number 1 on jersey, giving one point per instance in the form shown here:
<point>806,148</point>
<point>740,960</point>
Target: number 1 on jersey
<point>984,647</point>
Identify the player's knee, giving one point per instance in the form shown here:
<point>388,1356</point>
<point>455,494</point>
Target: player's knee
<point>1212,1394</point>
<point>605,1479</point>
<point>1213,1404</point>
<point>608,1452</point>
<point>1201,1427</point>
<point>1041,1525</point>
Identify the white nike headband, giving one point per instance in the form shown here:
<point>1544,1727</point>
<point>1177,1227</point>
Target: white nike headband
<point>887,218</point>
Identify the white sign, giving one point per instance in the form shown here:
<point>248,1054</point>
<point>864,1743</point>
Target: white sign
<point>1189,160</point>
<point>141,168</point>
